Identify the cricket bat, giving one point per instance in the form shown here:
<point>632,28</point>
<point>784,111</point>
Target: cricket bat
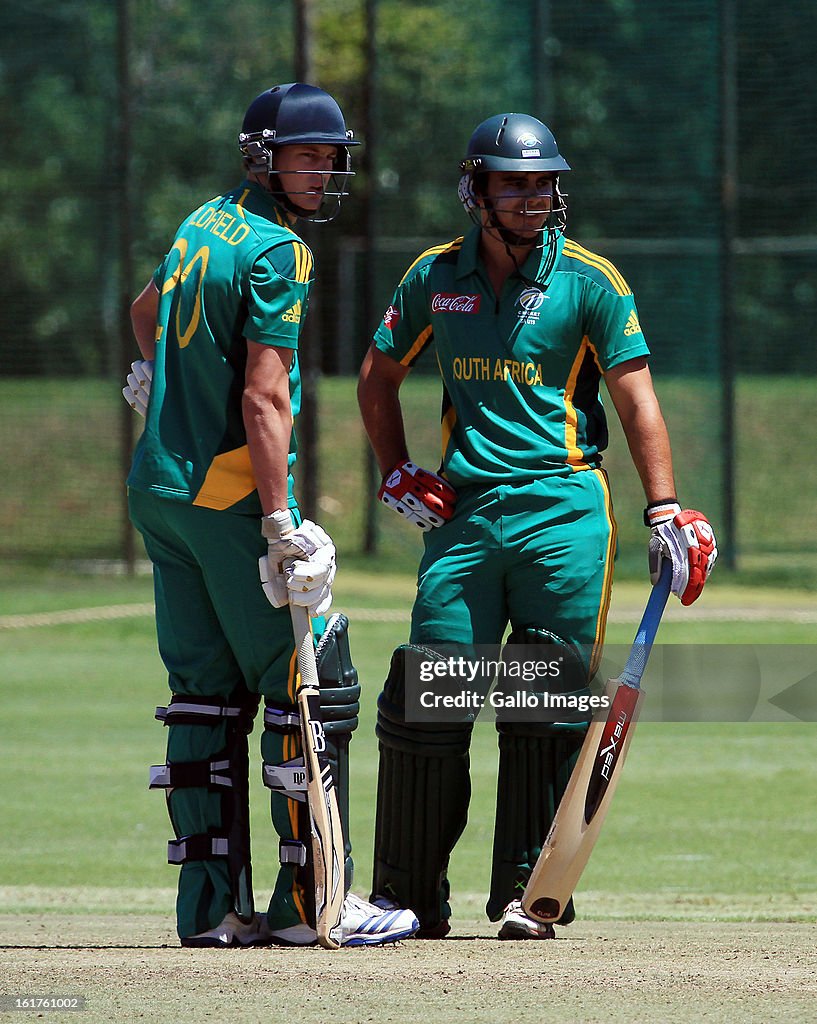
<point>586,800</point>
<point>328,853</point>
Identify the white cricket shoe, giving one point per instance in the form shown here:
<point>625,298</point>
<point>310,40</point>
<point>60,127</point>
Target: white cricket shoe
<point>361,924</point>
<point>233,932</point>
<point>364,924</point>
<point>517,925</point>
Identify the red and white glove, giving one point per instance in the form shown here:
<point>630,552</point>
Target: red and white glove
<point>422,498</point>
<point>688,540</point>
<point>299,567</point>
<point>137,391</point>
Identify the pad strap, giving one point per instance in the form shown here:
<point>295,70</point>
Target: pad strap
<point>292,851</point>
<point>211,774</point>
<point>197,711</point>
<point>199,847</point>
<point>282,718</point>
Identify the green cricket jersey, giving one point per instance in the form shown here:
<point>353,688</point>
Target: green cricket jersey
<point>520,371</point>
<point>235,270</point>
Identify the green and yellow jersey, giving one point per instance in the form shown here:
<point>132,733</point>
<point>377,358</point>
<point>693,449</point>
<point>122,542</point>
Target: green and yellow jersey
<point>235,270</point>
<point>520,371</point>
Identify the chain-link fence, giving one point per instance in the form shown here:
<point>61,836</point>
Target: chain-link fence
<point>689,128</point>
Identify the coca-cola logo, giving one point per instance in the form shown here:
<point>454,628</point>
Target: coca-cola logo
<point>451,303</point>
<point>390,317</point>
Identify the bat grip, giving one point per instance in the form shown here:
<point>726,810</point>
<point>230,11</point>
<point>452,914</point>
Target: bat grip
<point>304,645</point>
<point>647,629</point>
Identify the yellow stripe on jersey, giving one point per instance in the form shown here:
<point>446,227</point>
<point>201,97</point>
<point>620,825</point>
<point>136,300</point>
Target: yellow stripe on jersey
<point>417,347</point>
<point>448,420</point>
<point>577,252</point>
<point>240,204</point>
<point>575,456</point>
<point>607,583</point>
<point>435,250</point>
<point>283,222</point>
<point>303,262</point>
<point>229,479</point>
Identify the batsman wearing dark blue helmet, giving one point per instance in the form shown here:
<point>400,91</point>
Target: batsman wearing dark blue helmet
<point>211,491</point>
<point>523,323</point>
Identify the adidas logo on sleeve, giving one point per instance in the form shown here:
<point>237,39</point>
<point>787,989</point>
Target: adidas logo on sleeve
<point>632,326</point>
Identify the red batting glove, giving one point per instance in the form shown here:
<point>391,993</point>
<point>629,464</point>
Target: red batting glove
<point>421,497</point>
<point>688,540</point>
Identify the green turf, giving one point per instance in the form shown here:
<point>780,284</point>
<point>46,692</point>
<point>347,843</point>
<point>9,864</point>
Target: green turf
<point>710,818</point>
<point>63,451</point>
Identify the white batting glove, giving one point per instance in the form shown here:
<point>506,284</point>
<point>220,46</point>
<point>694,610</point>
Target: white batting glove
<point>137,391</point>
<point>421,497</point>
<point>688,540</point>
<point>299,566</point>
<point>309,581</point>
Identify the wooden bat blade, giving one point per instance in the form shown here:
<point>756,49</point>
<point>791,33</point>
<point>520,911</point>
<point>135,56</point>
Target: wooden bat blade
<point>583,807</point>
<point>326,829</point>
<point>593,782</point>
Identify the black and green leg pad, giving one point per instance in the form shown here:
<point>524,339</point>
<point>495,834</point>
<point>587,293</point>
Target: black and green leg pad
<point>423,793</point>
<point>340,708</point>
<point>535,762</point>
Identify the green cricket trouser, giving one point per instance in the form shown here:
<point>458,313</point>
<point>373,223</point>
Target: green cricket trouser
<point>538,553</point>
<point>218,637</point>
<point>535,554</point>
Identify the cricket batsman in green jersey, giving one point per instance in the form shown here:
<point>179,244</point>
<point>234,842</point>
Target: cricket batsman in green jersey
<point>211,491</point>
<point>518,523</point>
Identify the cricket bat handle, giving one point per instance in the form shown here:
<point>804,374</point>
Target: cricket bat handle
<point>304,646</point>
<point>648,628</point>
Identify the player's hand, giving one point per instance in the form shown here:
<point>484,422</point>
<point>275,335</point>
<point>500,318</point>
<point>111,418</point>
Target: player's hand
<point>688,540</point>
<point>299,567</point>
<point>137,391</point>
<point>421,497</point>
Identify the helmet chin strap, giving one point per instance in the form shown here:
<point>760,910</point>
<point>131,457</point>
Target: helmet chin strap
<point>505,234</point>
<point>511,238</point>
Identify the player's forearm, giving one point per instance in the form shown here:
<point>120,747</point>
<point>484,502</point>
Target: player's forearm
<point>143,312</point>
<point>631,389</point>
<point>382,416</point>
<point>268,424</point>
<point>649,444</point>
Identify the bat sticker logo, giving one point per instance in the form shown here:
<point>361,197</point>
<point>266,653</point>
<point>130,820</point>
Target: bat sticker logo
<point>318,736</point>
<point>609,753</point>
<point>610,746</point>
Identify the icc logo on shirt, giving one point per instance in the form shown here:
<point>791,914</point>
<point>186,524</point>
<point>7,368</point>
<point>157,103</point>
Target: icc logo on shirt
<point>529,302</point>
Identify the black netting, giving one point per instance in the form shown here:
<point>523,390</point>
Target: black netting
<point>642,98</point>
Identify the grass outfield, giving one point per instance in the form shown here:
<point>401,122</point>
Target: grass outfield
<point>78,734</point>
<point>698,904</point>
<point>62,452</point>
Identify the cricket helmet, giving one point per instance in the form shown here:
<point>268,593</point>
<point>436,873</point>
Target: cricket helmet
<point>512,142</point>
<point>291,114</point>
